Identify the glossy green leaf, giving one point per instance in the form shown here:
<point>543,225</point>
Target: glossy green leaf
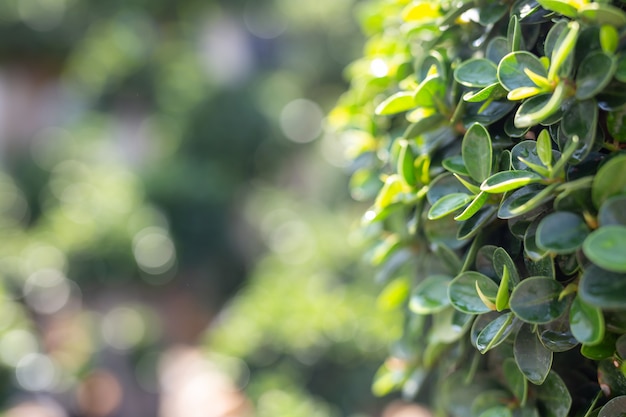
<point>394,294</point>
<point>605,349</point>
<point>554,396</point>
<point>616,407</point>
<point>594,73</point>
<point>602,288</point>
<point>515,379</point>
<point>463,295</point>
<point>554,34</point>
<point>609,39</point>
<point>455,165</point>
<point>606,247</point>
<point>581,120</point>
<point>397,103</point>
<point>448,204</point>
<point>562,57</point>
<point>502,260</point>
<point>512,70</point>
<point>531,249</point>
<point>494,91</point>
<point>503,296</point>
<point>536,300</point>
<point>603,14</point>
<point>430,92</point>
<point>431,295</point>
<point>470,185</point>
<point>610,180</point>
<point>540,108</point>
<point>472,226</point>
<point>477,152</point>
<point>473,208</point>
<point>515,203</point>
<point>560,6</point>
<point>544,148</point>
<point>405,166</point>
<point>616,124</point>
<point>586,322</point>
<point>612,212</point>
<point>533,359</point>
<point>514,38</point>
<point>523,152</point>
<point>477,72</point>
<point>561,232</point>
<point>498,411</point>
<point>443,185</point>
<point>489,400</point>
<point>544,267</point>
<point>497,48</point>
<point>495,333</point>
<point>503,181</point>
<point>424,125</point>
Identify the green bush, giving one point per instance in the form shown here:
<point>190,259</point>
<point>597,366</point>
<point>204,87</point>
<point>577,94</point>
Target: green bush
<point>489,136</point>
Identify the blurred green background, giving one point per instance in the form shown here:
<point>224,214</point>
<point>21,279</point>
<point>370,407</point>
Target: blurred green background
<point>176,235</point>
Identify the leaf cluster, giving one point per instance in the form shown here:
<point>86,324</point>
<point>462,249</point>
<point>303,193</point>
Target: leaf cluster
<point>490,137</point>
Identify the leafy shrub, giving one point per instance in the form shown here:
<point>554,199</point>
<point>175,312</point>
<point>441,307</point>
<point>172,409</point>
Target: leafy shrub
<point>490,137</point>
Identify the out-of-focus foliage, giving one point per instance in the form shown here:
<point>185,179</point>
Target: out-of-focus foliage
<point>308,315</point>
<point>488,136</point>
<point>129,131</point>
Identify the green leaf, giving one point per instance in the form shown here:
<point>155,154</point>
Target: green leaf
<point>424,125</point>
<point>503,296</point>
<point>554,396</point>
<point>397,103</point>
<point>544,147</point>
<point>561,232</point>
<point>581,120</point>
<point>616,124</point>
<point>512,70</point>
<point>602,288</point>
<point>494,91</point>
<point>477,72</point>
<point>476,204</point>
<point>497,48</point>
<point>448,204</point>
<point>518,199</point>
<point>393,295</point>
<point>515,379</point>
<point>609,39</point>
<point>477,152</point>
<point>443,185</point>
<point>606,247</point>
<point>503,181</point>
<point>603,350</point>
<point>498,411</point>
<point>540,108</point>
<point>610,180</point>
<point>431,295</point>
<point>612,212</point>
<point>472,226</point>
<point>531,249</point>
<point>431,93</point>
<point>495,333</point>
<point>562,56</point>
<point>514,34</point>
<point>586,322</point>
<point>536,300</point>
<point>620,72</point>
<point>616,407</point>
<point>502,261</point>
<point>405,166</point>
<point>532,357</point>
<point>594,73</point>
<point>560,6</point>
<point>603,14</point>
<point>455,165</point>
<point>463,295</point>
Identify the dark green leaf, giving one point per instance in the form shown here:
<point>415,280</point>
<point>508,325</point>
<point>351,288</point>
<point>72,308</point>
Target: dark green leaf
<point>536,300</point>
<point>501,182</point>
<point>501,260</point>
<point>594,73</point>
<point>463,295</point>
<point>554,395</point>
<point>516,203</point>
<point>616,124</point>
<point>495,333</point>
<point>472,226</point>
<point>477,72</point>
<point>430,92</point>
<point>620,72</point>
<point>443,185</point>
<point>531,249</point>
<point>514,37</point>
<point>561,232</point>
<point>586,322</point>
<point>477,152</point>
<point>498,411</point>
<point>455,165</point>
<point>606,247</point>
<point>532,357</point>
<point>602,288</point>
<point>603,350</point>
<point>511,70</point>
<point>473,208</point>
<point>431,295</point>
<point>610,180</point>
<point>581,120</point>
<point>614,408</point>
<point>515,379</point>
<point>612,212</point>
<point>497,48</point>
<point>397,103</point>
